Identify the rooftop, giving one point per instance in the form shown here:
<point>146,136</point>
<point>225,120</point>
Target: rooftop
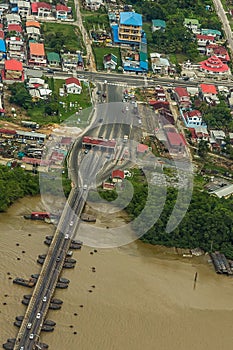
<point>13,65</point>
<point>37,49</point>
<point>159,23</point>
<point>73,80</point>
<point>130,19</point>
<point>208,89</point>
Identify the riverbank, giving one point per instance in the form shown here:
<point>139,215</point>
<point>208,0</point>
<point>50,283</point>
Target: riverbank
<point>142,296</point>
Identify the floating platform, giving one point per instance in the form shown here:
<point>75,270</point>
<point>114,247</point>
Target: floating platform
<point>26,283</point>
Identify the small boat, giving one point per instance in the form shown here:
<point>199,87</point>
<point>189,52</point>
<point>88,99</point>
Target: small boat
<point>56,301</point>
<point>49,238</point>
<point>70,253</point>
<point>8,346</point>
<point>70,260</point>
<point>28,296</point>
<point>54,307</point>
<point>43,346</point>
<point>45,328</point>
<point>77,241</point>
<point>61,285</point>
<point>49,323</point>
<point>47,242</point>
<point>63,280</point>
<point>27,283</point>
<point>42,256</point>
<point>11,340</point>
<point>40,261</point>
<point>25,302</point>
<point>17,323</point>
<point>19,318</point>
<point>35,275</point>
<point>68,265</point>
<point>75,246</point>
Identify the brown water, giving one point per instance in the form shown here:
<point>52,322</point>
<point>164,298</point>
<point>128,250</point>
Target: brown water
<point>143,297</point>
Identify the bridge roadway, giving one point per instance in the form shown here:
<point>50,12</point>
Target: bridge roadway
<point>54,261</point>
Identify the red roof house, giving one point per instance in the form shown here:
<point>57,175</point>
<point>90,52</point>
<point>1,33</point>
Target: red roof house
<point>118,175</point>
<point>214,65</point>
<point>208,89</point>
<point>13,70</point>
<point>61,11</point>
<point>73,86</point>
<point>15,28</point>
<point>41,9</point>
<point>182,96</point>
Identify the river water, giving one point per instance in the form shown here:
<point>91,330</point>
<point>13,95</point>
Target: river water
<point>142,296</point>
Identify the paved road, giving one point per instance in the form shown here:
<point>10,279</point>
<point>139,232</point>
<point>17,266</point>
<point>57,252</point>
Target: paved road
<point>226,26</point>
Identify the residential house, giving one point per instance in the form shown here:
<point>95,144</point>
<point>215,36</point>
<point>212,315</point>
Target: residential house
<point>13,18</point>
<point>219,51</point>
<point>73,86</point>
<point>130,28</point>
<point>93,5</point>
<point>225,191</point>
<point>53,59</point>
<point>158,24</point>
<point>61,11</point>
<point>15,28</point>
<point>192,24</point>
<point>192,118</point>
<point>214,66</point>
<point>175,142</point>
<point>33,33</point>
<point>4,8</point>
<point>24,8</point>
<point>159,64</point>
<point>110,61</point>
<point>199,133</point>
<point>41,9</point>
<point>37,54</point>
<point>34,24</point>
<point>142,149</point>
<point>203,41</point>
<point>182,96</point>
<point>214,32</point>
<point>16,48</point>
<point>13,71</point>
<point>217,138</point>
<point>2,34</point>
<point>118,175</point>
<point>69,61</point>
<point>209,93</point>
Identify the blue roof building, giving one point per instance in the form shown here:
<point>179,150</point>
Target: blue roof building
<point>131,19</point>
<point>130,28</point>
<point>2,46</point>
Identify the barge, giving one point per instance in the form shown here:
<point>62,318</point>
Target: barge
<point>26,283</point>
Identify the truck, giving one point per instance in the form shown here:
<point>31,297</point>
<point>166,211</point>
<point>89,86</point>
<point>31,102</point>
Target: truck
<point>125,139</point>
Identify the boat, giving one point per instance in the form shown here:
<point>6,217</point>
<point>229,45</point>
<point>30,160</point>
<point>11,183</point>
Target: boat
<point>54,307</point>
<point>25,302</point>
<point>43,345</point>
<point>8,346</point>
<point>70,260</point>
<point>49,323</point>
<point>17,323</point>
<point>27,283</point>
<point>49,238</point>
<point>61,285</point>
<point>68,265</point>
<point>87,217</point>
<point>56,301</point>
<point>19,318</point>
<point>38,215</point>
<point>45,328</point>
<point>63,280</point>
<point>75,246</point>
<point>40,261</point>
<point>11,340</point>
<point>35,275</point>
<point>77,241</point>
<point>28,296</point>
<point>69,253</point>
<point>42,256</point>
<point>47,242</point>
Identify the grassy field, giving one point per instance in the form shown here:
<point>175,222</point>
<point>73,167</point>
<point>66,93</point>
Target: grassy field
<point>68,106</point>
<point>94,22</point>
<point>70,3</point>
<point>99,53</point>
<point>62,36</point>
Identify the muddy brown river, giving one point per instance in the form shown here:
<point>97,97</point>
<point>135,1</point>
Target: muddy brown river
<point>142,296</point>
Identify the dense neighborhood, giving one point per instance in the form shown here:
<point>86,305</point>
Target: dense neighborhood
<point>183,59</point>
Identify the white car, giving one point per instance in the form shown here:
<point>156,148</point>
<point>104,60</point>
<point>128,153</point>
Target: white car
<point>45,298</point>
<point>29,326</point>
<point>85,187</point>
<point>31,336</point>
<point>71,223</point>
<point>66,236</point>
<point>38,315</point>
